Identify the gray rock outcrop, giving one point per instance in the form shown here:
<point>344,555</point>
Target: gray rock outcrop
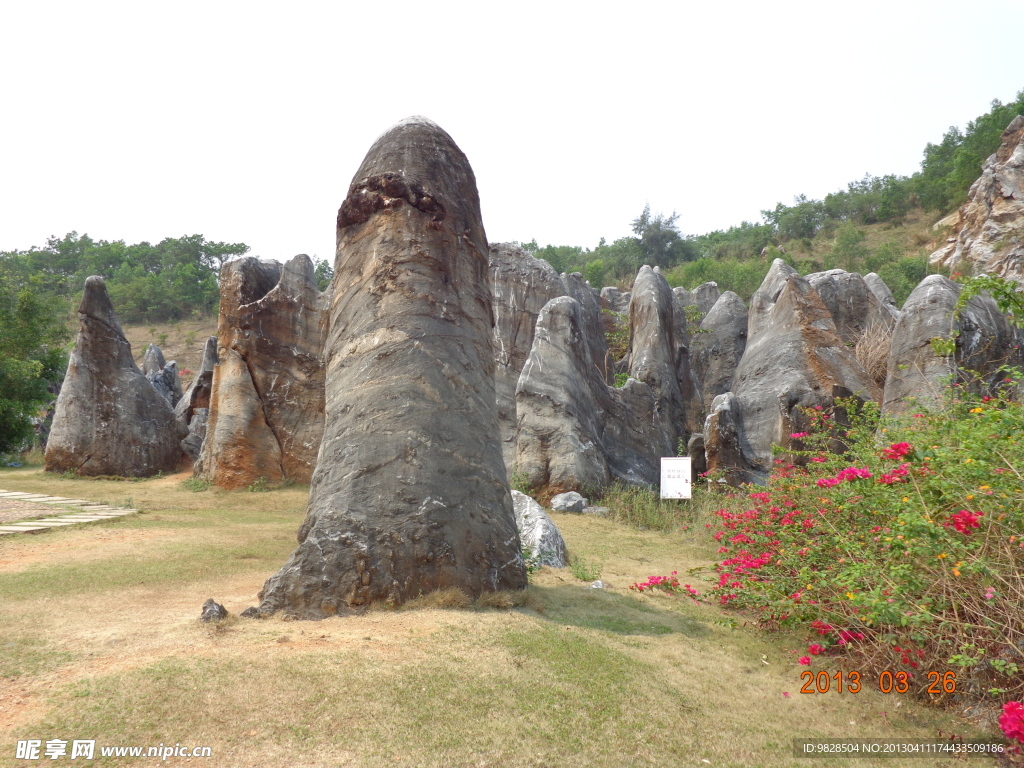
<point>794,360</point>
<point>592,328</point>
<point>615,300</point>
<point>267,390</point>
<point>989,227</point>
<point>878,287</point>
<point>167,382</point>
<point>568,502</point>
<point>854,307</point>
<point>153,360</point>
<point>197,396</point>
<point>410,493</point>
<point>717,352</point>
<point>538,533</point>
<point>654,358</point>
<point>520,286</point>
<point>917,374</point>
<point>109,420</point>
<point>705,295</point>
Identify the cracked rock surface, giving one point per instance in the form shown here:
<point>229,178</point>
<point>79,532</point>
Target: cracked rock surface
<point>109,420</point>
<point>410,493</point>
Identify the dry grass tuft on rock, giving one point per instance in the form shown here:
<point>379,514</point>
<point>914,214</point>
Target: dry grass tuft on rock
<point>872,351</point>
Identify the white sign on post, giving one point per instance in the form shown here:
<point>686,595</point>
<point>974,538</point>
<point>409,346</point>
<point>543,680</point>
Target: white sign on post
<point>676,479</point>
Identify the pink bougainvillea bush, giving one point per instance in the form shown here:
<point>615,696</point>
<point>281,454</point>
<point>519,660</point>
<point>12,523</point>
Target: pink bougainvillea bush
<point>903,553</point>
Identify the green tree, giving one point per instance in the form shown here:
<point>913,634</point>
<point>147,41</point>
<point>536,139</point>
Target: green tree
<point>660,240</point>
<point>32,359</point>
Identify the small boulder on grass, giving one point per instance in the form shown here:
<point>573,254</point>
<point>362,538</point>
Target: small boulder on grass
<point>568,502</point>
<point>539,536</point>
<point>213,611</point>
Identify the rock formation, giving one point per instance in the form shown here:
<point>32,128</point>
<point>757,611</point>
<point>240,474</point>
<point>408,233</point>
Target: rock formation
<point>878,287</point>
<point>985,343</point>
<point>717,351</point>
<point>192,412</point>
<point>989,227</point>
<point>593,328</point>
<point>576,433</point>
<point>614,299</point>
<point>167,382</point>
<point>794,359</point>
<point>520,286</point>
<point>561,402</point>
<point>410,494</point>
<point>267,391</point>
<point>109,420</point>
<point>653,358</point>
<point>854,307</point>
<point>538,533</point>
<point>153,360</point>
<point>705,295</point>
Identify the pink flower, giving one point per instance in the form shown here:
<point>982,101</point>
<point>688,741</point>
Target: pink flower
<point>1012,720</point>
<point>815,649</point>
<point>798,435</point>
<point>964,521</point>
<point>786,694</point>
<point>805,660</point>
<point>896,450</point>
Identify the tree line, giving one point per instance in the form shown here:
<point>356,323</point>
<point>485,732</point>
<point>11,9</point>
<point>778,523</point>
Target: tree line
<point>947,171</point>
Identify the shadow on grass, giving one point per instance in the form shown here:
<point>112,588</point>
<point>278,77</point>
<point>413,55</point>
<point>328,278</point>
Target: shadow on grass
<point>611,612</point>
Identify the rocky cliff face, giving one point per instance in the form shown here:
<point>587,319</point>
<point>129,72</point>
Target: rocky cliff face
<point>410,493</point>
<point>109,419</point>
<point>989,227</point>
<point>794,360</point>
<point>267,389</point>
<point>917,374</point>
<point>520,286</point>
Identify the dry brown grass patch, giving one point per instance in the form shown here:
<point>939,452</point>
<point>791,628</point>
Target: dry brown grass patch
<point>872,351</point>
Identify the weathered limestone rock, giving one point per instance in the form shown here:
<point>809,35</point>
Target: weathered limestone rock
<point>878,287</point>
<point>653,357</point>
<point>990,225</point>
<point>852,304</point>
<point>724,445</point>
<point>689,385</point>
<point>153,359</point>
<point>213,611</point>
<point>520,286</point>
<point>705,295</point>
<point>198,393</point>
<point>616,300</point>
<point>410,493</point>
<point>109,420</point>
<point>794,359</point>
<point>985,343</point>
<point>192,443</point>
<point>574,431</point>
<point>593,328</point>
<point>267,391</point>
<point>538,533</point>
<point>167,382</point>
<point>568,502</point>
<point>717,352</point>
<point>561,402</point>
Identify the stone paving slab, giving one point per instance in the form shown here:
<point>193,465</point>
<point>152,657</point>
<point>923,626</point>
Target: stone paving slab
<point>85,512</point>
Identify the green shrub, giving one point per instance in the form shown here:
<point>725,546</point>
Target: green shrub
<point>906,552</point>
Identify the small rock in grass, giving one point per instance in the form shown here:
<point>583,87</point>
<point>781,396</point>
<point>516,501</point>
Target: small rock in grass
<point>597,585</point>
<point>599,511</point>
<point>568,502</point>
<point>250,613</point>
<point>213,611</point>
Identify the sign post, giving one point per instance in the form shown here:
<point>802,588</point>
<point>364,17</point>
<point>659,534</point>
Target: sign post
<point>676,478</point>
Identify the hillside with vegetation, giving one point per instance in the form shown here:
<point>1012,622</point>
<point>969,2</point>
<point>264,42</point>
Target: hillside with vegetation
<point>877,224</point>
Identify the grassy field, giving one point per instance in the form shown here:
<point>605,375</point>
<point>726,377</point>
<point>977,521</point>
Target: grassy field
<point>102,641</point>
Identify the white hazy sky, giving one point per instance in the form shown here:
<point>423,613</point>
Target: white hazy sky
<point>246,121</point>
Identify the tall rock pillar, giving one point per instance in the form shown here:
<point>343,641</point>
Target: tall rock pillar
<point>409,494</point>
